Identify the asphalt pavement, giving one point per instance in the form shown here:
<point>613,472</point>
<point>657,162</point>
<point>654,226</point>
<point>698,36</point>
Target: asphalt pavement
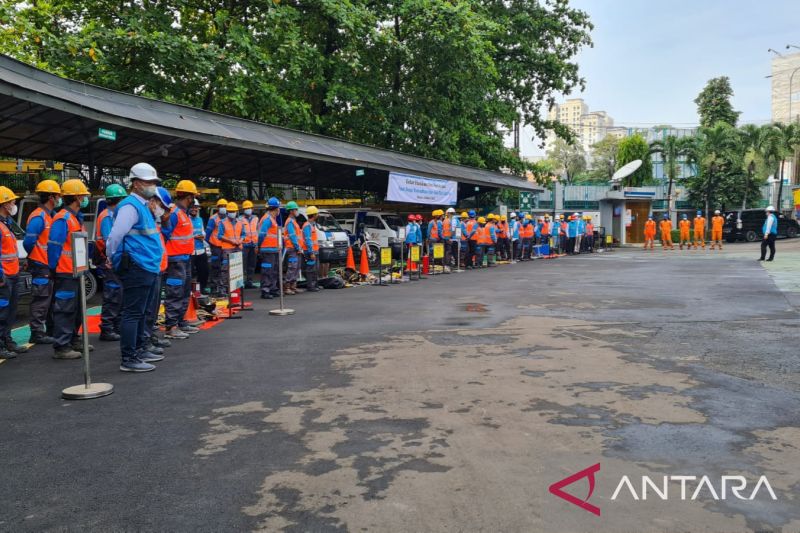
<point>448,404</point>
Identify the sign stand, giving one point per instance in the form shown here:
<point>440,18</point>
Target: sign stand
<point>401,236</point>
<point>282,311</point>
<point>80,265</point>
<point>457,236</point>
<point>235,283</point>
<point>385,258</point>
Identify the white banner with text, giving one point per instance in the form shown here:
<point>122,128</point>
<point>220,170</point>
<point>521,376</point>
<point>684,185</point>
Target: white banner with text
<point>417,190</point>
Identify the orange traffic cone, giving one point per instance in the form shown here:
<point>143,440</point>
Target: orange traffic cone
<point>363,267</point>
<point>191,311</point>
<point>351,263</point>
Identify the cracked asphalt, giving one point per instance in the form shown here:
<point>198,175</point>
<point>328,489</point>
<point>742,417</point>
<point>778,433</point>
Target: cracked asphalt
<point>450,404</point>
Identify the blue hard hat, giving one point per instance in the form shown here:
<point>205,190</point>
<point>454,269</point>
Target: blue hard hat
<point>684,216</point>
<point>666,216</point>
<point>471,212</point>
<point>164,196</point>
<point>699,213</point>
<point>273,202</point>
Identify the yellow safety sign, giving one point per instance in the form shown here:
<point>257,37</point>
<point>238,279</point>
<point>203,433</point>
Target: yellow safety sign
<point>415,254</point>
<point>386,256</point>
<point>438,251</point>
<point>609,239</point>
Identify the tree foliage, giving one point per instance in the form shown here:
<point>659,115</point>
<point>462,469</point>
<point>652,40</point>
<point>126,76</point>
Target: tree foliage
<point>439,78</point>
<point>604,158</point>
<point>714,103</point>
<point>566,159</point>
<point>630,149</point>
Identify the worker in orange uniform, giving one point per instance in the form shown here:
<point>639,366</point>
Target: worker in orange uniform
<point>699,230</point>
<point>249,241</point>
<point>684,226</point>
<point>666,233</point>
<point>66,313</point>
<point>483,243</point>
<point>229,234</point>
<point>9,273</point>
<point>37,232</point>
<point>717,221</point>
<point>310,249</point>
<point>649,232</point>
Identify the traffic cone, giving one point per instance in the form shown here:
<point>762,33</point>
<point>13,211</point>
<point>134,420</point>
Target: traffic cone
<point>191,311</point>
<point>363,267</point>
<point>351,263</point>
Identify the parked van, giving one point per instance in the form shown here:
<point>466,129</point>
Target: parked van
<point>380,227</point>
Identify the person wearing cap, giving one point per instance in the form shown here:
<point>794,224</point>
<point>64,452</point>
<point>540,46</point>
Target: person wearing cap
<point>513,236</point>
<point>589,234</point>
<point>434,230</point>
<point>111,311</point>
<point>649,232</point>
<point>666,233</point>
<point>483,241</point>
<point>310,247</point>
<point>135,250</point>
<point>502,239</point>
<point>37,232</point>
<point>449,223</point>
<point>291,240</point>
<point>717,221</point>
<point>699,230</point>
<point>684,226</point>
<point>215,245</point>
<point>526,233</point>
<point>9,273</point>
<point>200,253</point>
<point>249,242</point>
<point>179,237</point>
<point>269,250</point>
<point>471,231</point>
<point>770,231</point>
<point>230,233</point>
<point>66,310</point>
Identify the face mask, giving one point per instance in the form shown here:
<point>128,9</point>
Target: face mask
<point>148,191</point>
<point>222,210</point>
<point>232,215</point>
<point>158,211</point>
<point>84,202</point>
<point>59,202</point>
<point>248,212</point>
<point>13,210</point>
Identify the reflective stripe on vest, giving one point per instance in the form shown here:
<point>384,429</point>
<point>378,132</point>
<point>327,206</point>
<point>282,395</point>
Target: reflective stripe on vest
<point>484,237</point>
<point>99,241</point>
<point>142,243</point>
<point>250,230</point>
<point>470,227</point>
<point>181,242</point>
<point>286,240</point>
<point>64,265</point>
<point>213,240</point>
<point>163,263</point>
<point>447,228</point>
<point>228,233</point>
<point>270,239</point>
<point>8,251</point>
<point>39,252</point>
<point>433,230</point>
<point>314,241</point>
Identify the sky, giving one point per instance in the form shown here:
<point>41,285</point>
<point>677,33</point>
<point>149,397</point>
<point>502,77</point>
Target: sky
<point>651,59</point>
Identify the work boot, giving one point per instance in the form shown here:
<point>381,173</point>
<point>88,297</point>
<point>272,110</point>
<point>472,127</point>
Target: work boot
<point>266,296</point>
<point>40,338</point>
<point>287,289</point>
<point>296,289</point>
<point>109,336</point>
<point>6,354</point>
<point>154,349</point>
<point>188,329</point>
<point>155,340</point>
<point>77,345</point>
<point>175,333</point>
<point>12,346</point>
<point>65,352</point>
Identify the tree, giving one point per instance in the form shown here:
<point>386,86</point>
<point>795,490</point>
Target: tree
<point>630,149</point>
<point>604,158</point>
<point>789,139</point>
<point>567,159</point>
<point>714,103</point>
<point>672,149</point>
<point>437,78</point>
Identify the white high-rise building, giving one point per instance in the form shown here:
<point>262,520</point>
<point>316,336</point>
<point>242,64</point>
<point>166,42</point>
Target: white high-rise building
<point>589,126</point>
<point>786,88</point>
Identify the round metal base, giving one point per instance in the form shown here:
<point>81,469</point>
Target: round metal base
<point>281,312</point>
<point>82,392</point>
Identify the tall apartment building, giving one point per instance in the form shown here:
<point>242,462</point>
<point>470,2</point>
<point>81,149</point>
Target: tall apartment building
<point>588,126</point>
<point>786,88</point>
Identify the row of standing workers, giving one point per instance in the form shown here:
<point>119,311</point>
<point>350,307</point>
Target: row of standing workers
<point>468,238</point>
<point>145,241</point>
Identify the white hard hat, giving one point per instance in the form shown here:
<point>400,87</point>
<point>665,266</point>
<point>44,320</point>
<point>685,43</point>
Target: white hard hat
<point>513,215</point>
<point>450,210</point>
<point>144,172</point>
<point>716,212</point>
<point>770,208</point>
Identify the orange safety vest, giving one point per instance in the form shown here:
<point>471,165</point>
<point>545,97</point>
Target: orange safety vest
<point>39,252</point>
<point>684,226</point>
<point>9,258</point>
<point>213,240</point>
<point>164,259</point>
<point>181,242</point>
<point>699,226</point>
<point>470,226</point>
<point>563,228</point>
<point>526,232</point>
<point>545,228</point>
<point>314,241</point>
<point>717,222</point>
<point>502,230</point>
<point>447,229</point>
<point>229,233</point>
<point>434,236</point>
<point>589,228</point>
<point>286,240</point>
<point>666,226</point>
<point>99,242</point>
<point>270,240</point>
<point>250,230</point>
<point>64,265</point>
<point>484,237</point>
<point>650,228</point>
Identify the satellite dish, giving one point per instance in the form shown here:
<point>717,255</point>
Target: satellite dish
<point>626,170</point>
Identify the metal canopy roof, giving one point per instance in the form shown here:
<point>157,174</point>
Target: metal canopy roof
<point>45,116</point>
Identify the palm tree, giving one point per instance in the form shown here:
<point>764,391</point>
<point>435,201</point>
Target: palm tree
<point>671,149</point>
<point>789,139</point>
<point>753,143</point>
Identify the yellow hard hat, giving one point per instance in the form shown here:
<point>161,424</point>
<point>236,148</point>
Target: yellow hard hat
<point>247,204</point>
<point>464,214</point>
<point>74,188</point>
<point>503,218</point>
<point>528,217</point>
<point>232,207</point>
<point>222,202</point>
<point>311,210</point>
<point>48,186</point>
<point>186,186</point>
<point>481,220</point>
<point>6,195</point>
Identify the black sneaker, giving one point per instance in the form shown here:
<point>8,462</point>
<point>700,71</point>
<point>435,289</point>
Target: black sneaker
<point>266,296</point>
<point>154,349</point>
<point>155,340</point>
<point>150,357</point>
<point>7,354</point>
<point>78,346</point>
<point>109,336</point>
<point>12,346</point>
<point>65,352</point>
<point>41,339</point>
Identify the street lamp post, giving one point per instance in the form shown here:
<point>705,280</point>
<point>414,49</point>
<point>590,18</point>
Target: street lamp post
<point>750,170</point>
<point>791,81</point>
